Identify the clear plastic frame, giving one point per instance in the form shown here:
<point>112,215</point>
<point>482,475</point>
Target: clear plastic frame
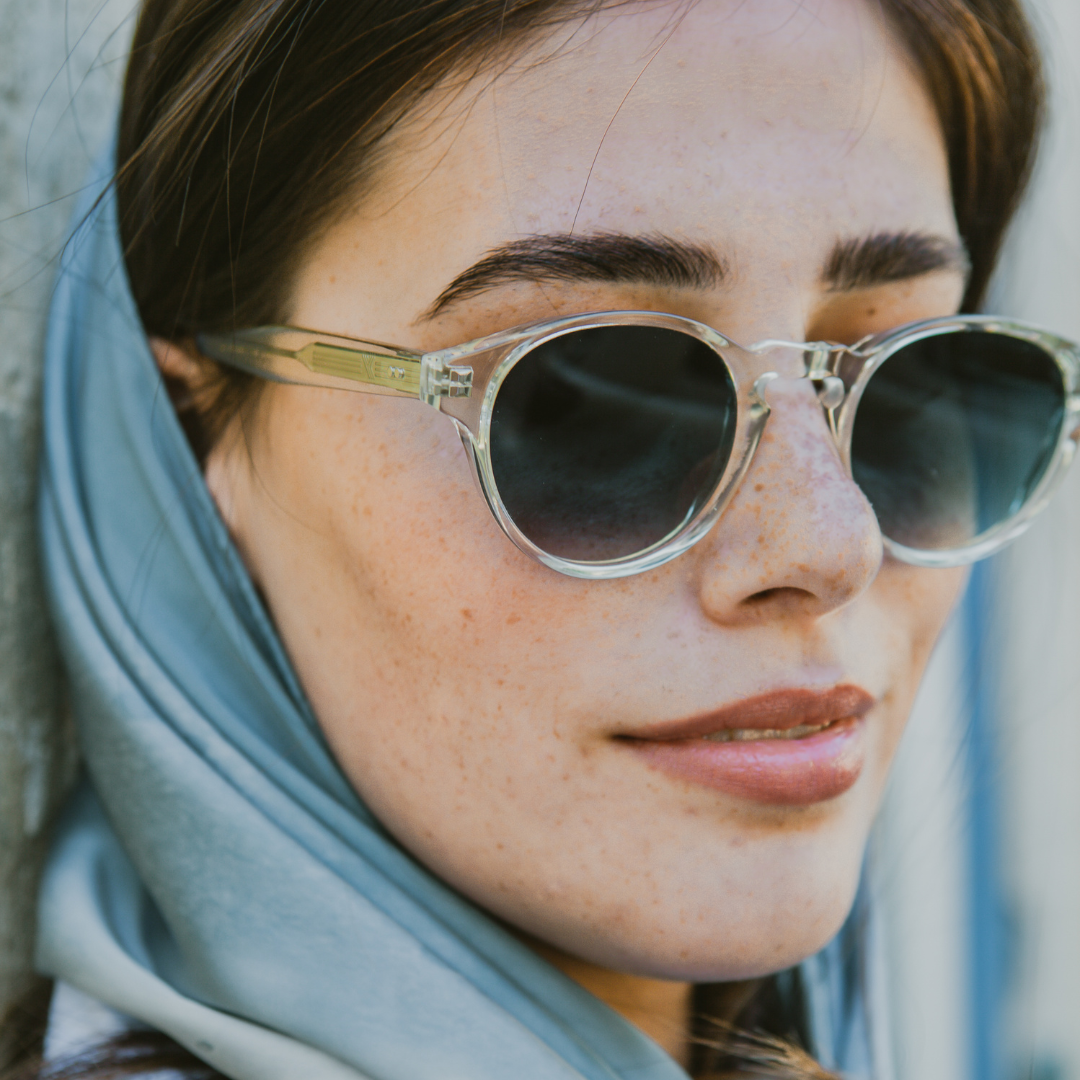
<point>464,382</point>
<point>858,365</point>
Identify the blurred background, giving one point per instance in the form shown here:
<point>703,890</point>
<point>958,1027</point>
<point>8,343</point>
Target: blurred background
<point>976,864</point>
<point>61,62</point>
<point>978,857</point>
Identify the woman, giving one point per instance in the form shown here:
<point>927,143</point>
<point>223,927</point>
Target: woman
<point>379,788</point>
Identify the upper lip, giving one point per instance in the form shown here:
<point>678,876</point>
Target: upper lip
<point>774,711</point>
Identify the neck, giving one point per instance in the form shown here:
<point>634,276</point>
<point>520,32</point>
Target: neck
<point>658,1007</point>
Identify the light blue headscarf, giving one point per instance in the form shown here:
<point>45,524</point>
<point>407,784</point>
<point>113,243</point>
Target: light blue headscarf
<point>217,877</point>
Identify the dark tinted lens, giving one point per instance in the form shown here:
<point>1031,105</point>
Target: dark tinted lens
<point>604,441</point>
<point>953,433</point>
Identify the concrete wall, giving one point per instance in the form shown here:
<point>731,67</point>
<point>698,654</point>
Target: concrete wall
<point>57,94</point>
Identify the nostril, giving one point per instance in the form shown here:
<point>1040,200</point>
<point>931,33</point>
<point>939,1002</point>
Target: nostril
<point>761,597</point>
<point>781,592</point>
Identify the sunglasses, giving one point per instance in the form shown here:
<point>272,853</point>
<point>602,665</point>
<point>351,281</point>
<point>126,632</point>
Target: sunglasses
<point>606,444</point>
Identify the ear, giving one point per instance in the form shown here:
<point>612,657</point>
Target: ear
<point>177,362</point>
<point>181,366</point>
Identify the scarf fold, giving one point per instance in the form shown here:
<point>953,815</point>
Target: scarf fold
<point>215,875</point>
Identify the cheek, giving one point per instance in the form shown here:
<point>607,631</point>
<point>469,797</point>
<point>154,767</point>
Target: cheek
<point>914,604</point>
<point>384,491</point>
<point>396,593</point>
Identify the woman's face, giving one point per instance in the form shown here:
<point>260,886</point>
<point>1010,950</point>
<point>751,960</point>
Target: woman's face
<point>505,722</point>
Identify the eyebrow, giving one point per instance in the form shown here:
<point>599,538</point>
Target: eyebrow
<point>884,257</point>
<point>609,258</point>
<point>663,261</point>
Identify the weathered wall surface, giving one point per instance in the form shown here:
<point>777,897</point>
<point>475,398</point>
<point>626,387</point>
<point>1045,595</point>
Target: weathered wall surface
<point>59,73</point>
<point>1036,631</point>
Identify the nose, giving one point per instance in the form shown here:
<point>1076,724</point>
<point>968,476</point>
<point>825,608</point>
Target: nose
<point>799,538</point>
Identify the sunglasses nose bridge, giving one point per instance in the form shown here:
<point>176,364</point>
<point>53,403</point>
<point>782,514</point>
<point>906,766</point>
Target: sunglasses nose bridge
<point>820,364</point>
<point>820,359</point>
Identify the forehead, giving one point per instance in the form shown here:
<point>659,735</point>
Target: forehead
<point>767,128</point>
<point>659,110</point>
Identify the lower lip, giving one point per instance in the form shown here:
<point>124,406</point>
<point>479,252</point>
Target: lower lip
<point>778,772</point>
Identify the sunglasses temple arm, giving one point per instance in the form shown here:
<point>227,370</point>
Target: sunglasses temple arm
<point>284,354</point>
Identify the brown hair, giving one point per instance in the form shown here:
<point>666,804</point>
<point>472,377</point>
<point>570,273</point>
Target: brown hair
<point>247,125</point>
<point>132,1054</point>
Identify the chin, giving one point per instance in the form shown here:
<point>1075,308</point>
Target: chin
<point>729,954</point>
<point>744,927</point>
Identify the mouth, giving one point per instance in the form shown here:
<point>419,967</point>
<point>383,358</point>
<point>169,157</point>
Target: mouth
<point>787,748</point>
